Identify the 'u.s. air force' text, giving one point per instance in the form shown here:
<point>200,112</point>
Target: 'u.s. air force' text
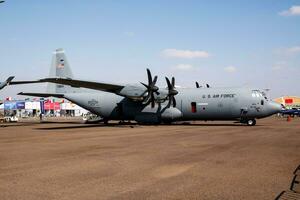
<point>219,96</point>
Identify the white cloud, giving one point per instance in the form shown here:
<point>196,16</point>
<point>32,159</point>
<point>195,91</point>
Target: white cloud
<point>288,51</point>
<point>185,53</point>
<point>279,65</point>
<point>294,50</point>
<point>184,67</point>
<point>129,33</point>
<point>230,69</point>
<point>292,11</point>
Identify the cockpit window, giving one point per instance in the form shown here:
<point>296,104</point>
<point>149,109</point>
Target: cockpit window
<point>258,94</point>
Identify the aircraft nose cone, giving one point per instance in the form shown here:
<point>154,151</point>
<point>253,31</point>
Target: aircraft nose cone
<point>275,107</point>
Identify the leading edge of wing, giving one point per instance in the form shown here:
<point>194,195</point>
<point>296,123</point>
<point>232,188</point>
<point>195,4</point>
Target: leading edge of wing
<point>76,83</point>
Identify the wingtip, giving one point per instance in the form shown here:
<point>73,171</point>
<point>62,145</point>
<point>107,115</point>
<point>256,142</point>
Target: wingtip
<point>10,79</point>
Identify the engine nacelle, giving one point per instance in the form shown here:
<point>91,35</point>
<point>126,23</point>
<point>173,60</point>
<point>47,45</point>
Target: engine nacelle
<point>171,114</point>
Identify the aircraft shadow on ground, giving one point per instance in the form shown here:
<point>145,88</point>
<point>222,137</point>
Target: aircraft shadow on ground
<point>6,125</point>
<point>18,124</point>
<point>83,126</point>
<point>53,122</point>
<point>209,125</point>
<point>132,125</point>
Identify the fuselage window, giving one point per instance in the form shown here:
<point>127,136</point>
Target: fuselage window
<point>262,102</point>
<point>193,107</point>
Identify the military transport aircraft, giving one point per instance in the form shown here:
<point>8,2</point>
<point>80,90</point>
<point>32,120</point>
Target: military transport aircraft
<point>149,104</point>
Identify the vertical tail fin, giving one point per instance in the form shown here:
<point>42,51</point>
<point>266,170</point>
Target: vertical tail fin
<point>60,68</point>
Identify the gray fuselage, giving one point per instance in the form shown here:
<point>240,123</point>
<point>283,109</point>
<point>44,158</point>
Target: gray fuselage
<point>192,104</point>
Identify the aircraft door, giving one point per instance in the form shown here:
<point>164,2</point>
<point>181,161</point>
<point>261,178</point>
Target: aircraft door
<point>193,107</point>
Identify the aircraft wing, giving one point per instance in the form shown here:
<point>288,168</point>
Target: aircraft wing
<point>42,94</point>
<point>77,83</point>
<point>134,92</point>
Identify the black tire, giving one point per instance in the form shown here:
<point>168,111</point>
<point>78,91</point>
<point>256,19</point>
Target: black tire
<point>251,122</point>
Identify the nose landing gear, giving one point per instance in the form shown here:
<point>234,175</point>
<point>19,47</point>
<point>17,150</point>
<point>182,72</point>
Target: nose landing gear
<point>249,122</point>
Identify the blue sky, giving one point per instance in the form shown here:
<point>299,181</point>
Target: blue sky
<point>224,43</point>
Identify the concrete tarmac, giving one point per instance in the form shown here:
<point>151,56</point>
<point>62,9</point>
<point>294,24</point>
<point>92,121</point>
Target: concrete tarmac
<point>204,160</point>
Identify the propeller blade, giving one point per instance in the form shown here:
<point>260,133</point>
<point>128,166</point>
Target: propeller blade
<point>152,101</point>
<point>172,92</point>
<point>147,98</point>
<point>174,101</point>
<point>197,85</point>
<point>151,89</point>
<point>168,83</point>
<point>145,85</point>
<point>149,77</point>
<point>154,80</point>
<point>173,82</point>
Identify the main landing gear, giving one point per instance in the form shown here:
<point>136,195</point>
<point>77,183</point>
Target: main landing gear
<point>249,122</point>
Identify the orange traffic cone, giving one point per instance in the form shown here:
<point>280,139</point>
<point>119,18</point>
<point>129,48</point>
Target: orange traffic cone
<point>289,118</point>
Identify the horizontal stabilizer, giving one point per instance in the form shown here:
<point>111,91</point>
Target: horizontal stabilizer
<point>41,94</point>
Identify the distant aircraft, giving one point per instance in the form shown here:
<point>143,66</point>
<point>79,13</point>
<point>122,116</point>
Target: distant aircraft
<point>291,112</point>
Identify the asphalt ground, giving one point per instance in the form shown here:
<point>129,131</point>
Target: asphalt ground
<point>205,160</point>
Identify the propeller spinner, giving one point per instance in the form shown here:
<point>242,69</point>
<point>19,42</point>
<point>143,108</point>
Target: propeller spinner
<point>151,89</point>
<point>172,92</point>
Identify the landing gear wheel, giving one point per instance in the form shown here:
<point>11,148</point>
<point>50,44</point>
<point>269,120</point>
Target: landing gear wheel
<point>251,122</point>
<point>105,121</point>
